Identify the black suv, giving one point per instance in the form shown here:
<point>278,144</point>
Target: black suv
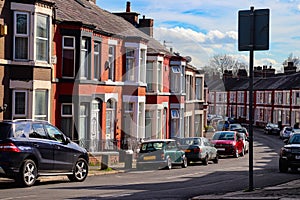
<point>29,149</point>
<point>290,154</point>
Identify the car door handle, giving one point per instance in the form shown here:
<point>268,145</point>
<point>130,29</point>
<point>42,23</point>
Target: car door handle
<point>57,147</point>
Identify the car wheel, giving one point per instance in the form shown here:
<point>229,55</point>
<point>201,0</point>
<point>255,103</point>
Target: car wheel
<point>216,159</point>
<point>80,171</point>
<point>28,173</point>
<point>205,160</point>
<point>283,166</point>
<point>169,164</point>
<point>184,162</point>
<point>236,155</point>
<point>243,152</point>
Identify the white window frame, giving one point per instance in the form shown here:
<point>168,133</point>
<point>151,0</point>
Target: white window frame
<point>97,61</point>
<point>84,58</point>
<point>16,35</point>
<point>111,59</point>
<point>46,106</point>
<point>37,38</point>
<point>72,109</point>
<point>25,103</point>
<point>130,69</point>
<point>176,79</point>
<point>68,48</point>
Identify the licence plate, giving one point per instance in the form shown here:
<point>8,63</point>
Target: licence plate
<point>187,150</point>
<point>221,149</point>
<point>297,157</point>
<point>149,158</point>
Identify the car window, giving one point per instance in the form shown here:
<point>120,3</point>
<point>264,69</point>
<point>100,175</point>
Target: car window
<point>38,131</point>
<point>22,129</point>
<point>223,136</point>
<point>5,131</point>
<point>151,146</point>
<point>171,145</point>
<point>295,139</point>
<point>54,133</point>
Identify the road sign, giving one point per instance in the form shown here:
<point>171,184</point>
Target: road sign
<point>253,33</point>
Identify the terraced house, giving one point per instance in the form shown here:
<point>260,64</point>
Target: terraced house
<point>101,78</point>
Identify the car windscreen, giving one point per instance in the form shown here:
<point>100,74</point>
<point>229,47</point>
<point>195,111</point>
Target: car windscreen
<point>223,136</point>
<point>151,146</point>
<point>295,139</point>
<point>5,131</point>
<point>190,141</point>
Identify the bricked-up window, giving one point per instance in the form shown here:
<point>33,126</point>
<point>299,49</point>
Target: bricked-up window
<point>97,60</point>
<point>42,37</point>
<point>41,105</point>
<point>19,103</point>
<point>21,35</point>
<point>111,59</point>
<point>68,57</point>
<point>67,119</point>
<point>130,63</point>
<point>85,58</point>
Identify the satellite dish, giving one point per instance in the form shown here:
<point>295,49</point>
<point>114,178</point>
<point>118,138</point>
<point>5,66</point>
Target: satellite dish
<point>188,59</point>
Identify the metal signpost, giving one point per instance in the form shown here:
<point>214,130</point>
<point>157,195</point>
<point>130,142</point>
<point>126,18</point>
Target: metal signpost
<point>253,34</point>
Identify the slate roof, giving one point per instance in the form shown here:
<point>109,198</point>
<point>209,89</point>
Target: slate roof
<point>279,82</point>
<point>89,13</point>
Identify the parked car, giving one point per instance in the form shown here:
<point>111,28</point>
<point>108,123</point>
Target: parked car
<point>242,130</point>
<point>199,149</point>
<point>222,125</point>
<point>271,128</point>
<point>234,126</point>
<point>30,149</point>
<point>290,154</point>
<point>286,132</point>
<point>160,153</point>
<point>229,143</point>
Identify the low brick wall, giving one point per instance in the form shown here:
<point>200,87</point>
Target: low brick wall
<point>104,159</point>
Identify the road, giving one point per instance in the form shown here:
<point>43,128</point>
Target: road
<point>230,174</point>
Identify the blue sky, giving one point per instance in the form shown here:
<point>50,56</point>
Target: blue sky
<point>204,28</point>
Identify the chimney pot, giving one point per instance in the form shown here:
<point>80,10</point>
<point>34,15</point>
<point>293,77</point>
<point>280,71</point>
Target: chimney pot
<point>128,6</point>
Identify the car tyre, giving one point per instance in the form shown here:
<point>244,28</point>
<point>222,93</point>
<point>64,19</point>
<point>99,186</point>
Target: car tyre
<point>205,160</point>
<point>216,159</point>
<point>243,152</point>
<point>236,155</point>
<point>184,162</point>
<point>283,166</point>
<point>169,164</point>
<point>28,173</point>
<point>80,171</point>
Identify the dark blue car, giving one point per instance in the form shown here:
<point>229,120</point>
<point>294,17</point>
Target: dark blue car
<point>29,149</point>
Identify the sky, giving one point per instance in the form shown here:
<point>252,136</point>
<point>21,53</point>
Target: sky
<point>202,29</point>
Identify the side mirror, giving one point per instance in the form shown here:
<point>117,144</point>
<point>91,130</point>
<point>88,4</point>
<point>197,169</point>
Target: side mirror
<point>67,140</point>
<point>285,141</point>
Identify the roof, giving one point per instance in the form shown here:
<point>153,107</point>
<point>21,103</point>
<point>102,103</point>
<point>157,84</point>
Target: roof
<point>282,82</point>
<point>158,140</point>
<point>88,13</point>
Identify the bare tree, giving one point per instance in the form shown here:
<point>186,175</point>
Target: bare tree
<point>292,58</point>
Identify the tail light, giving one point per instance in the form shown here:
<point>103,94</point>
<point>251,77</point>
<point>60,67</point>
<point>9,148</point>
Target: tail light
<point>197,150</point>
<point>9,147</point>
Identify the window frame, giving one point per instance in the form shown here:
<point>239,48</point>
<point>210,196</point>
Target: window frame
<point>111,59</point>
<point>17,35</point>
<point>25,103</point>
<point>97,61</point>
<point>130,69</point>
<point>85,58</point>
<point>39,38</point>
<point>73,47</point>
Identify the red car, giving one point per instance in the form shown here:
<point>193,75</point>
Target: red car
<point>229,143</point>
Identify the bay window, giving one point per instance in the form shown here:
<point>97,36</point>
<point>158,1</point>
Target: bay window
<point>111,59</point>
<point>97,60</point>
<point>130,63</point>
<point>19,103</point>
<point>84,58</point>
<point>41,105</point>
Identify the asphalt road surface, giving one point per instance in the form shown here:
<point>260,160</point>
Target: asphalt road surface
<point>229,175</point>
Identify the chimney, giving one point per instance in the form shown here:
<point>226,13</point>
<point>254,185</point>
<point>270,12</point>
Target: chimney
<point>128,7</point>
<point>131,17</point>
<point>146,25</point>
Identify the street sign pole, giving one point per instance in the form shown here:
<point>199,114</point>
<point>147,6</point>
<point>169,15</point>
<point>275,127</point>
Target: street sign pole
<point>251,100</point>
<point>253,35</point>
